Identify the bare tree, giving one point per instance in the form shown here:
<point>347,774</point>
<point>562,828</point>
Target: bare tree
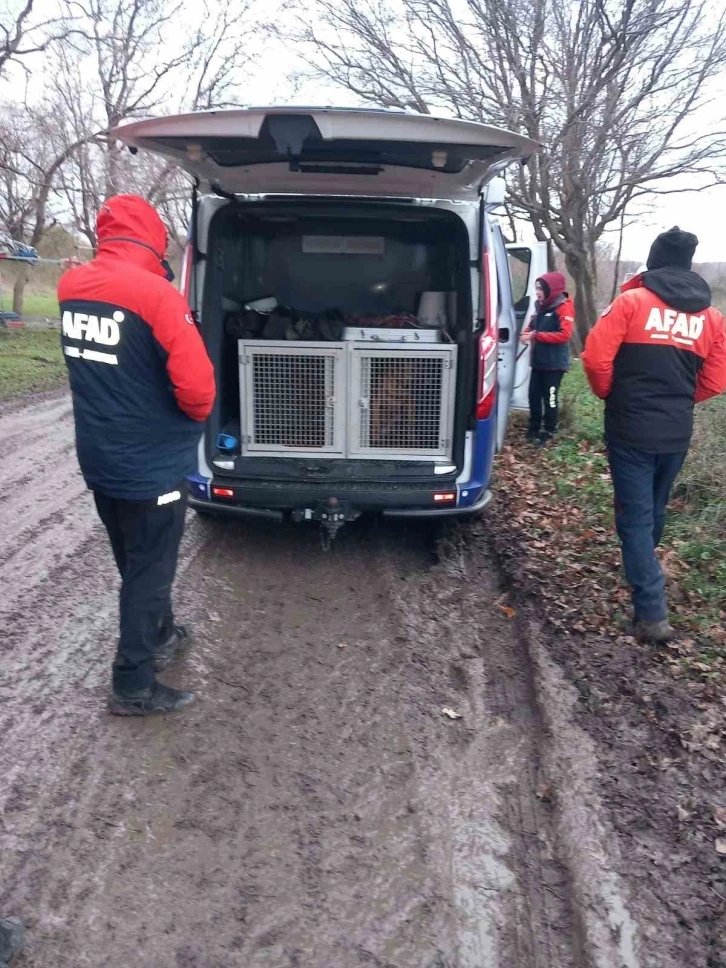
<point>616,90</point>
<point>137,71</point>
<point>19,35</point>
<point>32,155</point>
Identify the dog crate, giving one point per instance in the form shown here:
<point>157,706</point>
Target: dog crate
<point>292,398</point>
<point>402,402</point>
<point>347,400</point>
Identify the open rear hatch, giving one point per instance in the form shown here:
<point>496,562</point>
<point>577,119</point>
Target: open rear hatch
<point>309,151</point>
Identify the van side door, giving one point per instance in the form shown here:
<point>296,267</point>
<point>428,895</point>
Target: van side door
<point>527,263</point>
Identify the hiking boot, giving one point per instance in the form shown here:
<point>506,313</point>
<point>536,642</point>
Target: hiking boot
<point>532,436</point>
<point>653,632</point>
<point>157,699</point>
<point>12,939</point>
<point>172,648</point>
<point>545,438</point>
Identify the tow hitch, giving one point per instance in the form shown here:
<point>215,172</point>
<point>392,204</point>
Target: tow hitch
<point>331,514</point>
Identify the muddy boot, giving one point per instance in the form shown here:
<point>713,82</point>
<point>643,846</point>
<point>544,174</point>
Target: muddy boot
<point>157,699</point>
<point>655,633</point>
<point>12,939</point>
<point>172,648</point>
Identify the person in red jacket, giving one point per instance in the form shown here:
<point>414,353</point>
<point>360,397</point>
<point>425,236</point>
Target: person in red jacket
<point>142,386</point>
<point>549,333</point>
<point>655,352</point>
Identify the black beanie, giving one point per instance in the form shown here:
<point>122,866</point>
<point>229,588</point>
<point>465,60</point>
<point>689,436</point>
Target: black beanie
<point>672,248</point>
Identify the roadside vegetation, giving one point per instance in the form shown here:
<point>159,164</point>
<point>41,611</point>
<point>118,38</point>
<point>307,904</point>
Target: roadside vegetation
<point>30,360</point>
<point>558,504</point>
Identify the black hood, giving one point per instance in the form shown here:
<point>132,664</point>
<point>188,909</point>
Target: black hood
<point>680,289</point>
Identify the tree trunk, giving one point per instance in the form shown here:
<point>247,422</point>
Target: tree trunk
<point>21,280</point>
<point>113,163</point>
<point>551,260</point>
<point>582,270</point>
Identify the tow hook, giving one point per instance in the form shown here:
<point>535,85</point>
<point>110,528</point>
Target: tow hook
<point>332,519</point>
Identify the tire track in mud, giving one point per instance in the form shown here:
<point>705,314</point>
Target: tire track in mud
<point>314,807</point>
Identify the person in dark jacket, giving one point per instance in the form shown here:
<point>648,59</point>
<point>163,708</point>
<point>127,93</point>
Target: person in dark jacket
<point>549,333</point>
<point>655,352</point>
<point>142,386</point>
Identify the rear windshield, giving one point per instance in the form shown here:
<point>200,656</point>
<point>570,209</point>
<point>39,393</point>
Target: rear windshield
<point>318,267</point>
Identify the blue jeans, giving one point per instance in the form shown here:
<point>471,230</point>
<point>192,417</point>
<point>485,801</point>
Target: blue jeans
<point>642,484</point>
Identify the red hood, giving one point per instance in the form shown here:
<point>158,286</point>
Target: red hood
<point>128,227</point>
<point>555,282</point>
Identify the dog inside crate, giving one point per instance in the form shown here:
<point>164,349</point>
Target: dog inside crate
<point>404,403</point>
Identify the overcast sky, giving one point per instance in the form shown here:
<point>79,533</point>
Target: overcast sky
<point>701,212</point>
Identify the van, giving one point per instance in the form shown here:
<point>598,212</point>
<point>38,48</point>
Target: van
<point>359,304</point>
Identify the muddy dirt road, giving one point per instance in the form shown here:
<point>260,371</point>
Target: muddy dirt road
<point>314,808</point>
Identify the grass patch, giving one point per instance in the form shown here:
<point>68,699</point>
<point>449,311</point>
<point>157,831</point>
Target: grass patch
<point>30,360</point>
<point>41,305</point>
<point>36,305</point>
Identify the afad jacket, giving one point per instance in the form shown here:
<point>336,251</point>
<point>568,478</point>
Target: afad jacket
<point>657,349</point>
<point>141,380</point>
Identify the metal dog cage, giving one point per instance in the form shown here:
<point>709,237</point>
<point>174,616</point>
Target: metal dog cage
<point>347,400</point>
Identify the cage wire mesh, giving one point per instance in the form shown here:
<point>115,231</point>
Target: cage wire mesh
<point>347,400</point>
<point>293,400</point>
<point>403,403</point>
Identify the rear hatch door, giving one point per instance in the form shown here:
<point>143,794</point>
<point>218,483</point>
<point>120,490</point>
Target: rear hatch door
<point>328,151</point>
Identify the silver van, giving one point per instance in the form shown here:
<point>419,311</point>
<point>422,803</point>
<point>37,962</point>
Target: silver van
<point>360,305</point>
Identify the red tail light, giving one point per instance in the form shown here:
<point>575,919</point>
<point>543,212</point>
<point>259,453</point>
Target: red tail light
<point>487,382</point>
<point>222,492</point>
<point>486,405</point>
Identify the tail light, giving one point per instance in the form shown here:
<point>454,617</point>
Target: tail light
<point>487,379</point>
<point>222,492</point>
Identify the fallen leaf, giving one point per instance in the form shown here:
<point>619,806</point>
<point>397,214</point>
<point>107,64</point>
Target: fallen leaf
<point>343,645</point>
<point>721,846</point>
<point>508,610</point>
<point>683,814</point>
<point>454,715</point>
<point>719,815</point>
<point>544,791</point>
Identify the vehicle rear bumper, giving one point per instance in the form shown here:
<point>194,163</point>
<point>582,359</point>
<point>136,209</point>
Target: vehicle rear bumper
<point>275,501</point>
<point>455,512</point>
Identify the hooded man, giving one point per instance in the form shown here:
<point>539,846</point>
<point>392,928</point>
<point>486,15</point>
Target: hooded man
<point>142,386</point>
<point>549,333</point>
<point>655,352</point>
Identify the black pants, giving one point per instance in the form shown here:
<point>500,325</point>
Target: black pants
<point>544,394</point>
<point>145,538</point>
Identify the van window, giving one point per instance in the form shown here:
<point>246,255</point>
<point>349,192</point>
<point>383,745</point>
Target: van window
<point>519,267</point>
<point>367,275</point>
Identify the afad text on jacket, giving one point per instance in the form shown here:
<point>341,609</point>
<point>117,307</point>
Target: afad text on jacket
<point>141,379</point>
<point>658,349</point>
